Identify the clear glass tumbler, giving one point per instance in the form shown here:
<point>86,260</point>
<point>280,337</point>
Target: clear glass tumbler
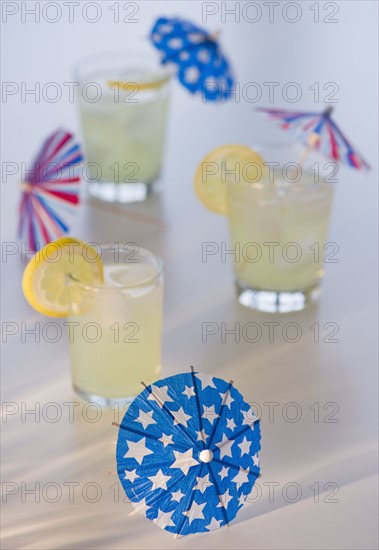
<point>278,224</point>
<point>123,99</point>
<point>115,337</point>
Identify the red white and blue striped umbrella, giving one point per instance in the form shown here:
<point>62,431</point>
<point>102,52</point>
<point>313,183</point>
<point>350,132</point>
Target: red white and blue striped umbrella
<point>52,185</point>
<point>319,131</point>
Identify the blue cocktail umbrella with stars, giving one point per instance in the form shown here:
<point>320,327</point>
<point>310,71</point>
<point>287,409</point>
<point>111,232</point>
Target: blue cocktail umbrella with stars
<point>187,452</point>
<point>201,65</point>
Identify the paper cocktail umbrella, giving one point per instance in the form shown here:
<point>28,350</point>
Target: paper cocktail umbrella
<point>50,191</point>
<point>319,131</point>
<point>187,452</point>
<point>201,65</point>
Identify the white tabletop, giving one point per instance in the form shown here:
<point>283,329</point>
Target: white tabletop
<point>325,462</point>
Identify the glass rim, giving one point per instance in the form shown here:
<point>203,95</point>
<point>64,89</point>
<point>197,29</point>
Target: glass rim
<point>103,288</point>
<point>128,55</point>
<point>282,146</point>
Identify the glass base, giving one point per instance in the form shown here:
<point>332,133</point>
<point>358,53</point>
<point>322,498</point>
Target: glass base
<point>103,402</point>
<point>119,192</point>
<point>271,301</point>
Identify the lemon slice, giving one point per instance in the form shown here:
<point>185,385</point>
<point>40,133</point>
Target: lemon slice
<point>47,275</point>
<point>238,162</point>
<point>137,86</point>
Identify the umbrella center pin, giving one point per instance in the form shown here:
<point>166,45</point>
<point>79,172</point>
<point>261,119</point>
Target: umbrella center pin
<point>206,456</point>
<point>26,187</point>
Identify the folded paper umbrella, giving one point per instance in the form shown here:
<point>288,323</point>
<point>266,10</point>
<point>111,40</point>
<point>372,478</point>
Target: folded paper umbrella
<point>187,452</point>
<point>319,131</point>
<point>201,65</point>
<point>50,191</point>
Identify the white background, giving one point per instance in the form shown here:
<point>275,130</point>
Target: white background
<point>305,452</point>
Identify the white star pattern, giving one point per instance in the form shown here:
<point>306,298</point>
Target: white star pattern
<point>184,55</point>
<point>184,461</point>
<point>230,424</point>
<point>164,520</point>
<point>206,380</point>
<point>201,435</point>
<point>165,28</point>
<point>241,477</point>
<point>249,418</point>
<point>226,399</point>
<point>195,37</point>
<point>141,506</point>
<point>195,512</point>
<point>209,413</point>
<point>211,81</point>
<point>137,450</point>
<point>225,446</point>
<point>180,417</point>
<point>202,483</point>
<point>145,418</point>
<point>255,459</point>
<point>203,55</point>
<point>224,499</point>
<point>159,394</point>
<point>245,446</point>
<point>224,472</point>
<point>130,475</point>
<point>175,43</point>
<point>177,496</point>
<point>159,481</point>
<point>189,391</point>
<point>166,440</point>
<point>214,524</point>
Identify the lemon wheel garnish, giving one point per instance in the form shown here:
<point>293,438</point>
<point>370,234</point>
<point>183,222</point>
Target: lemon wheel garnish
<point>235,161</point>
<point>49,272</point>
<point>137,86</point>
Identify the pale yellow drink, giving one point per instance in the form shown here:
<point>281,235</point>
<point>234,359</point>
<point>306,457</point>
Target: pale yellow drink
<point>115,341</point>
<point>124,129</point>
<point>279,229</point>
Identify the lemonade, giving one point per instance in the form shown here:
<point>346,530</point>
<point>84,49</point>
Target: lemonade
<point>112,299</point>
<point>115,340</point>
<point>280,229</point>
<point>123,107</point>
<point>278,212</point>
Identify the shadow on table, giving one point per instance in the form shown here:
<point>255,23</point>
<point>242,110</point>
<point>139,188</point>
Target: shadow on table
<point>346,468</point>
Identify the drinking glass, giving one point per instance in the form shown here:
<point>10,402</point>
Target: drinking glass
<point>123,106</point>
<point>115,338</point>
<point>278,223</point>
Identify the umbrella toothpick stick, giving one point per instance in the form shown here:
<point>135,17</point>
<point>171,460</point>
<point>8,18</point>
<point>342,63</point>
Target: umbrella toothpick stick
<point>314,138</point>
<point>157,399</point>
<point>312,141</point>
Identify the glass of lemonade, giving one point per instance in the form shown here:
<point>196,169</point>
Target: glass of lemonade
<point>278,225</point>
<point>115,338</point>
<point>123,107</point>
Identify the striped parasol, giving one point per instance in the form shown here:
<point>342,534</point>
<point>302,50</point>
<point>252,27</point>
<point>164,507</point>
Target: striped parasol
<point>50,191</point>
<point>319,131</point>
